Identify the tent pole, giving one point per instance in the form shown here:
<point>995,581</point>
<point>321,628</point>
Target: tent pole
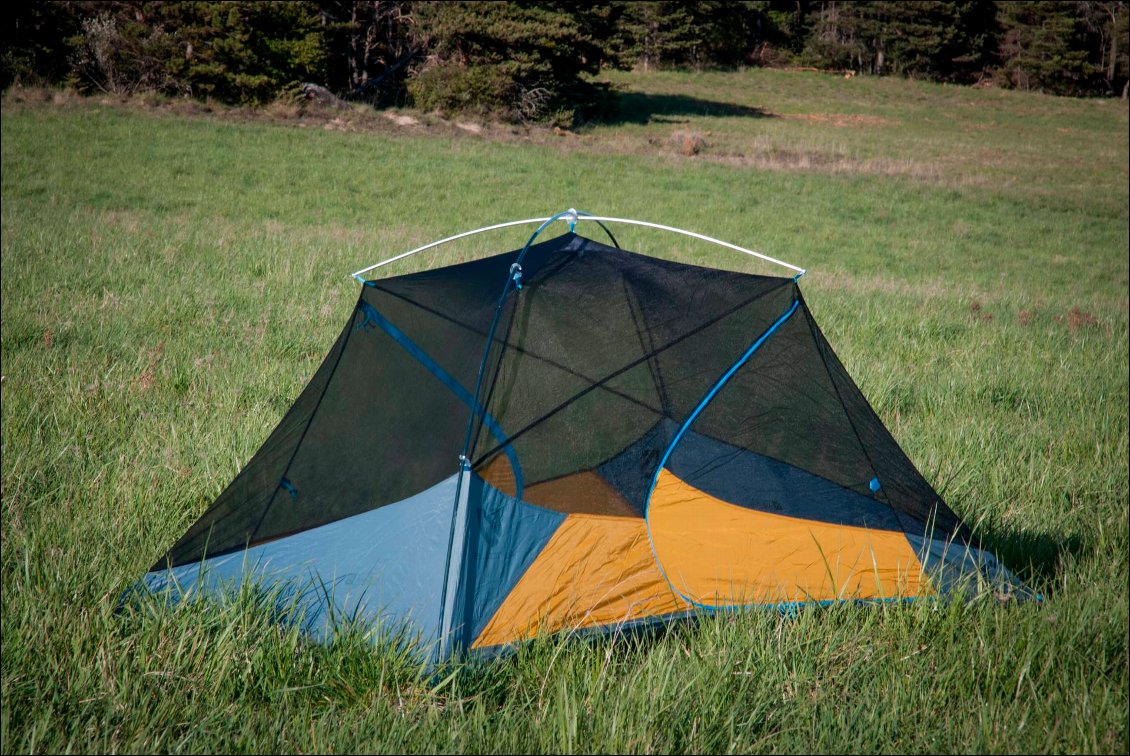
<point>703,237</point>
<point>572,217</point>
<point>457,549</point>
<point>358,274</point>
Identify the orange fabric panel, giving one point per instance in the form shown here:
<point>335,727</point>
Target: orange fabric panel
<point>719,553</point>
<point>599,570</point>
<point>580,493</point>
<point>595,570</point>
<point>499,474</point>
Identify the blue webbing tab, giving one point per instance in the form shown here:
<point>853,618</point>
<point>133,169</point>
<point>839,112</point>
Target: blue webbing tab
<point>375,317</point>
<point>679,436</point>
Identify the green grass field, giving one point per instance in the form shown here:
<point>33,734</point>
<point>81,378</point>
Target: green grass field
<point>170,281</point>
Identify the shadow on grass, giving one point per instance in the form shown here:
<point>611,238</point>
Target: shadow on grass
<point>1036,558</point>
<point>642,108</point>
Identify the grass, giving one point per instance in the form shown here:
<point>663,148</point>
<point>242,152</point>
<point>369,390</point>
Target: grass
<point>170,282</point>
<point>1051,149</point>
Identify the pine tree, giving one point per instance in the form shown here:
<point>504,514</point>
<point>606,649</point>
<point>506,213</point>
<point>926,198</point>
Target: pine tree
<point>34,45</point>
<point>1043,46</point>
<point>369,47</point>
<point>656,33</point>
<point>946,41</point>
<point>520,61</point>
<point>1108,25</point>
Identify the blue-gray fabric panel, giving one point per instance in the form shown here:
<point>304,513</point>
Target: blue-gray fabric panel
<point>383,566</point>
<point>955,567</point>
<point>505,537</point>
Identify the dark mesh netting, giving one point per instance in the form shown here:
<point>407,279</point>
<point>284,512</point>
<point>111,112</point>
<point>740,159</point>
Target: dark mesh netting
<point>606,353</point>
<point>602,346</point>
<point>596,362</point>
<point>376,424</point>
<point>794,403</point>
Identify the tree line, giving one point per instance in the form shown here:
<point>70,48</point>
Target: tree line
<point>537,61</point>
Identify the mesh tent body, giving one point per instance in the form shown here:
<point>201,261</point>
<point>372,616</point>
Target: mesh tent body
<point>618,440</point>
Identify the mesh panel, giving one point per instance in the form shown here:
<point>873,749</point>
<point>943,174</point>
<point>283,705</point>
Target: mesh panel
<point>375,425</point>
<point>596,362</point>
<point>902,485</point>
<point>793,402</point>
<point>782,404</point>
<point>637,343</point>
<point>602,346</point>
<point>229,522</point>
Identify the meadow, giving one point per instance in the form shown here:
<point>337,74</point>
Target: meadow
<point>172,275</point>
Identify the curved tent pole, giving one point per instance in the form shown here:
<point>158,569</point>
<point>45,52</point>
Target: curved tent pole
<point>703,237</point>
<point>359,275</point>
<point>572,217</point>
<point>515,279</point>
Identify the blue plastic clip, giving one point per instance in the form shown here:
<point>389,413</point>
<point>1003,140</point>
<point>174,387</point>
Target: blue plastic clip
<point>289,488</point>
<point>516,274</point>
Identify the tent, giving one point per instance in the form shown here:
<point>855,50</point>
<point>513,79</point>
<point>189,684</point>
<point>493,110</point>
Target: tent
<point>571,436</point>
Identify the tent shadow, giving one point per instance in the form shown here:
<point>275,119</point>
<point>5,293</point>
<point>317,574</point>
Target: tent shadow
<point>641,108</point>
<point>1037,558</point>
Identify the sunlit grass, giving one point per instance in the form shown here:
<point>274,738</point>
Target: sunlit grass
<point>169,284</point>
